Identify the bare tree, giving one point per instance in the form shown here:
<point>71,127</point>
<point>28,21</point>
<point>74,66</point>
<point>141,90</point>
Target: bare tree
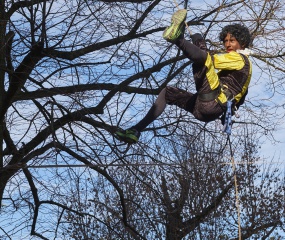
<point>72,71</point>
<point>192,197</point>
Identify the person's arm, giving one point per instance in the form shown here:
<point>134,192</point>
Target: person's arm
<point>228,61</point>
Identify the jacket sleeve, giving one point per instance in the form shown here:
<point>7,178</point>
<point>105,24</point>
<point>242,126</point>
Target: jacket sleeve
<point>228,61</point>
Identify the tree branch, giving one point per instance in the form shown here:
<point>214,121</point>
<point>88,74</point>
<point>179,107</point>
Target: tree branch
<point>71,55</point>
<point>22,4</point>
<point>192,223</point>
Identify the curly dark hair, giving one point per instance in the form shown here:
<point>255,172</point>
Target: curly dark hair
<point>238,31</point>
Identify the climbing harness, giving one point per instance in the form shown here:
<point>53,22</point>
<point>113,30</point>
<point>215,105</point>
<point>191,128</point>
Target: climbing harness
<point>210,96</point>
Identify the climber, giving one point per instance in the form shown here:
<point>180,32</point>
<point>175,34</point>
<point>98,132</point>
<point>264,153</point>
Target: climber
<point>214,88</point>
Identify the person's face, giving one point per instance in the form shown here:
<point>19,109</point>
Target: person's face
<point>231,44</point>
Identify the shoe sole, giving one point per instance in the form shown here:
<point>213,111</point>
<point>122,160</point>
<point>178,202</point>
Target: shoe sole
<point>126,138</point>
<point>173,31</point>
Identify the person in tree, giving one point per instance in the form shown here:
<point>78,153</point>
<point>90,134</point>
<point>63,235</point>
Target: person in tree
<point>218,77</point>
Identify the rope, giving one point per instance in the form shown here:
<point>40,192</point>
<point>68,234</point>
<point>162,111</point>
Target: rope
<point>18,166</point>
<point>236,186</point>
<point>228,130</point>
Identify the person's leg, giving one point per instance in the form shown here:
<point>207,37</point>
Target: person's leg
<point>191,51</point>
<point>174,34</point>
<point>195,51</point>
<point>170,96</point>
<point>132,134</point>
<point>155,111</point>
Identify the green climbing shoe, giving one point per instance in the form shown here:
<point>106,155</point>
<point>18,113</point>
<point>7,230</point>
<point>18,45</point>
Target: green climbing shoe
<point>172,32</point>
<point>130,135</point>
